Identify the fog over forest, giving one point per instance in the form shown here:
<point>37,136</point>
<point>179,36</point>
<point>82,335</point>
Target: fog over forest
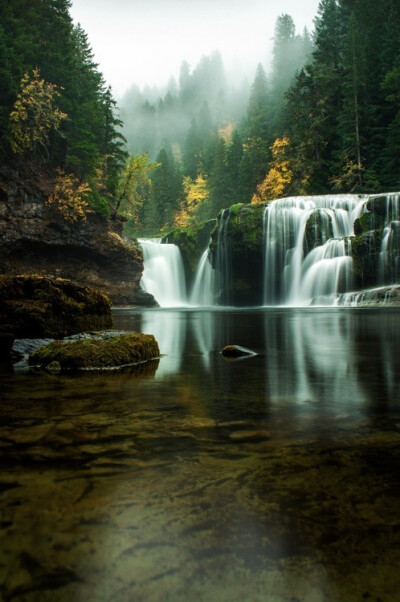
<point>243,102</point>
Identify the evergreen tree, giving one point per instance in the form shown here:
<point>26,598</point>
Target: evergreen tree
<point>234,158</point>
<point>290,53</point>
<point>166,191</point>
<point>258,110</point>
<point>218,183</point>
<point>192,151</point>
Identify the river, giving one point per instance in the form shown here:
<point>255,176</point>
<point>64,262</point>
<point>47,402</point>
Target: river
<point>274,478</point>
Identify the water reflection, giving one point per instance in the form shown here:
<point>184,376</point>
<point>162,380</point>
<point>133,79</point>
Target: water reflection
<point>274,478</point>
<point>333,355</point>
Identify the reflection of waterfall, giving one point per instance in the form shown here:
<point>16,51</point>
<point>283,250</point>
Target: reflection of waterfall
<point>163,275</point>
<point>169,328</point>
<point>203,287</point>
<point>173,329</point>
<point>317,352</point>
<point>306,247</point>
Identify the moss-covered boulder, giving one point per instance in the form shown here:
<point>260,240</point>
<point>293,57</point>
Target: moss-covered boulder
<point>365,250</point>
<point>240,235</point>
<point>318,229</point>
<point>192,242</point>
<point>33,306</point>
<point>97,351</point>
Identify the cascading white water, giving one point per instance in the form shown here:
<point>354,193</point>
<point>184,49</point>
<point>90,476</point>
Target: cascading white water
<point>163,274</point>
<point>203,287</point>
<point>392,225</point>
<point>223,276</point>
<point>307,255</point>
<point>296,275</point>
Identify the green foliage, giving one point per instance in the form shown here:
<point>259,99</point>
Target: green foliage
<point>133,191</point>
<point>53,101</point>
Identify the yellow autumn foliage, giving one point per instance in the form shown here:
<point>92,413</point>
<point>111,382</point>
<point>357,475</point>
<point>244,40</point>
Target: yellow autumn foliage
<point>279,175</point>
<point>70,197</point>
<point>34,114</point>
<point>195,192</point>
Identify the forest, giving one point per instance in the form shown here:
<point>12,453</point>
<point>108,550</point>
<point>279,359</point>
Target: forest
<point>325,117</point>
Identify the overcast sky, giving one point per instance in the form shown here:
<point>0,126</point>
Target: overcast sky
<point>145,41</point>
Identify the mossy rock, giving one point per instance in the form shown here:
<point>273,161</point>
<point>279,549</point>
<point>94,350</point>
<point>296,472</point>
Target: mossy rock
<point>192,241</point>
<point>35,306</point>
<point>94,353</point>
<point>365,250</point>
<point>367,222</point>
<point>318,229</point>
<point>244,237</point>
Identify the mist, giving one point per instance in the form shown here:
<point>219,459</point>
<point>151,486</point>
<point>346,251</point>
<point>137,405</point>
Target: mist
<point>144,42</point>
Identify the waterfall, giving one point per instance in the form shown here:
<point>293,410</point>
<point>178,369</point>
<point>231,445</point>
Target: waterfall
<point>203,287</point>
<point>163,274</point>
<point>307,255</point>
<point>389,256</point>
<point>307,250</point>
<point>381,295</point>
<point>223,263</point>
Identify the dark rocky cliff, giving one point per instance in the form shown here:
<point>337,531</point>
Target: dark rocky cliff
<point>34,239</point>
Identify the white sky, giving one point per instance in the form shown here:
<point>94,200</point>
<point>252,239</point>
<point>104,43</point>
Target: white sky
<point>144,42</point>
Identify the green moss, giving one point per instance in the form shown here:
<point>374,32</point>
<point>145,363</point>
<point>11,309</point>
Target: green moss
<point>367,222</point>
<point>191,241</point>
<point>365,250</point>
<point>234,209</point>
<point>97,353</point>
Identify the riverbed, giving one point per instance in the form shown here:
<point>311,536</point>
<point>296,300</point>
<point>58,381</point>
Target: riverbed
<point>273,478</point>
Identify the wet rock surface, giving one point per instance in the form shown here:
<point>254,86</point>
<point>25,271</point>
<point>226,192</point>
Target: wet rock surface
<point>236,352</point>
<point>32,306</point>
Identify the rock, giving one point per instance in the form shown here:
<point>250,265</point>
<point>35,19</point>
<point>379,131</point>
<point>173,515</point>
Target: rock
<point>6,343</point>
<point>34,239</point>
<point>236,351</point>
<point>244,243</point>
<point>192,241</point>
<point>53,368</point>
<point>100,351</point>
<point>43,307</point>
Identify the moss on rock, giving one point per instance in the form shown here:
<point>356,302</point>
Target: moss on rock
<point>34,306</point>
<point>244,232</point>
<point>92,353</point>
<point>365,250</point>
<point>191,241</point>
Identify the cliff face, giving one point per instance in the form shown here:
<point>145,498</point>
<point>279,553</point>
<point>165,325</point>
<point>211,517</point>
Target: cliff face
<point>34,239</point>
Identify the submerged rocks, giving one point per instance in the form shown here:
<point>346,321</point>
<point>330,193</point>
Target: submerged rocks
<point>96,351</point>
<point>33,306</point>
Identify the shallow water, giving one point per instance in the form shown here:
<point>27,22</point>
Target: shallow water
<point>274,478</point>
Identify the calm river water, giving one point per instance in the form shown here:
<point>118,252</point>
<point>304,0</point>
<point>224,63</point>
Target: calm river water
<point>274,478</point>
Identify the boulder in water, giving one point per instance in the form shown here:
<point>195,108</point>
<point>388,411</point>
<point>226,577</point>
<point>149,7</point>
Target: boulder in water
<point>237,352</point>
<point>96,351</point>
<point>35,306</point>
